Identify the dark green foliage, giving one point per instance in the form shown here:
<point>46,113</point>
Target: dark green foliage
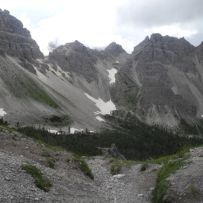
<point>2,122</point>
<point>40,180</point>
<point>116,168</point>
<point>83,166</point>
<point>134,139</point>
<point>144,167</point>
<point>191,128</point>
<point>59,120</point>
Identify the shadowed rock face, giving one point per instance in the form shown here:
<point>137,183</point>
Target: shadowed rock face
<point>162,80</point>
<point>16,40</point>
<point>114,49</point>
<point>75,57</point>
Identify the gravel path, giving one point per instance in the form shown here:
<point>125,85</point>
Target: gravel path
<point>132,186</point>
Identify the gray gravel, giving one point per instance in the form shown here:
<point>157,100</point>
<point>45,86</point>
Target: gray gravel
<point>130,186</point>
<point>69,183</point>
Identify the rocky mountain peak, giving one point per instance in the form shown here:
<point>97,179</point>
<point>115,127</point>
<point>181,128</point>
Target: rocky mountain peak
<point>77,58</point>
<point>158,46</point>
<point>114,49</point>
<point>15,40</point>
<point>155,37</point>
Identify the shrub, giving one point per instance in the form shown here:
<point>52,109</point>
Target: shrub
<point>2,122</point>
<point>115,169</point>
<point>144,167</point>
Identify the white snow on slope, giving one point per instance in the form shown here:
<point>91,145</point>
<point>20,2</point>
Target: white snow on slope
<point>75,130</point>
<point>53,131</point>
<point>2,112</point>
<point>112,72</point>
<point>100,119</point>
<point>59,72</point>
<point>72,131</point>
<point>104,107</point>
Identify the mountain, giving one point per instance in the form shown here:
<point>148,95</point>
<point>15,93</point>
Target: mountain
<point>160,82</point>
<point>73,81</point>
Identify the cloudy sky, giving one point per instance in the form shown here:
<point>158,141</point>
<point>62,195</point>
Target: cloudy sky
<point>96,23</point>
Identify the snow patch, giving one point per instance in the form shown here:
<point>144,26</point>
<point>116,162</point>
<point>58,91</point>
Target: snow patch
<point>119,175</point>
<point>75,130</point>
<point>59,72</point>
<point>104,107</point>
<point>112,72</point>
<point>100,119</point>
<point>53,131</point>
<point>2,112</point>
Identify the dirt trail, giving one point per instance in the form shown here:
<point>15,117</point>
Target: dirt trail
<point>132,186</point>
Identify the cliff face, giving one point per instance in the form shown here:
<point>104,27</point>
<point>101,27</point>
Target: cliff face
<point>162,81</point>
<point>15,40</point>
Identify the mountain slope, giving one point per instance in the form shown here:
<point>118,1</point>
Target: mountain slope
<point>72,81</point>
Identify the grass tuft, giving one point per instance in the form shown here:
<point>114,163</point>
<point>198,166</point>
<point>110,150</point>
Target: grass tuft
<point>39,179</point>
<point>83,166</point>
<point>170,164</point>
<point>51,162</point>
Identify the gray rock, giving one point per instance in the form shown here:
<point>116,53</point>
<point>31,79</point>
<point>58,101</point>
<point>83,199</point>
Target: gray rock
<point>15,40</point>
<point>161,81</point>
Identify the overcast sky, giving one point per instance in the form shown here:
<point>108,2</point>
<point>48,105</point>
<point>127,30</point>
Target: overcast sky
<point>96,23</point>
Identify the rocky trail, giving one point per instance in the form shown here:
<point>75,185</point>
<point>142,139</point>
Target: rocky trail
<point>69,184</point>
<point>130,186</point>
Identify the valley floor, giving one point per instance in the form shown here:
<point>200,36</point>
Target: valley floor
<point>69,184</point>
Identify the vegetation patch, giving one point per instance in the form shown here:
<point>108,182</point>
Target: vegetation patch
<point>144,167</point>
<point>134,139</point>
<point>194,191</point>
<point>117,165</point>
<point>51,162</point>
<point>3,122</point>
<point>83,166</point>
<point>39,179</point>
<point>170,164</point>
<point>115,169</point>
<point>59,120</point>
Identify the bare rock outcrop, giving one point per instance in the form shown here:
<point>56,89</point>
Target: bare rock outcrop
<point>15,40</point>
<point>161,81</point>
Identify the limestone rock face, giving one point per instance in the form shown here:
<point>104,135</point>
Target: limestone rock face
<point>114,49</point>
<point>15,40</point>
<point>75,57</point>
<point>161,81</point>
